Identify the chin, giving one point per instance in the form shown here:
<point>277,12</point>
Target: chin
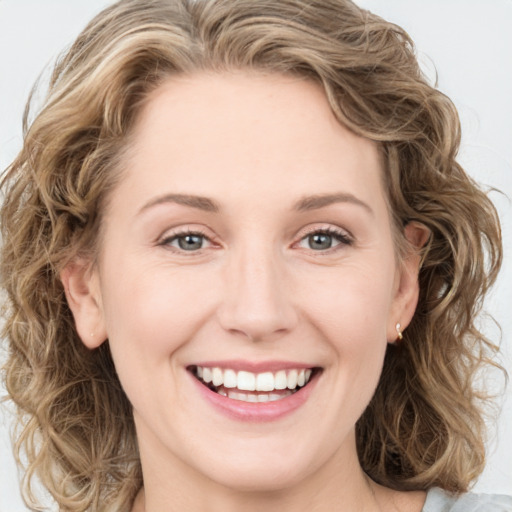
<point>259,474</point>
<point>260,480</point>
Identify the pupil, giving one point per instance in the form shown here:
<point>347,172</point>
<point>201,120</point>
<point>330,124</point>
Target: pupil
<point>320,241</point>
<point>190,242</point>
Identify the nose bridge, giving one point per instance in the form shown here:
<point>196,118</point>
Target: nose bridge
<point>256,299</point>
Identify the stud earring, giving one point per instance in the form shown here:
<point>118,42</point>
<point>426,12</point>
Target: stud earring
<point>398,328</point>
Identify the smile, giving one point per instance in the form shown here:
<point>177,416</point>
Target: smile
<point>252,387</point>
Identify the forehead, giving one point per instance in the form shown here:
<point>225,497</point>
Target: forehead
<point>245,133</point>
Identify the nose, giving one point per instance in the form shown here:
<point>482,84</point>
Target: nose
<point>257,297</point>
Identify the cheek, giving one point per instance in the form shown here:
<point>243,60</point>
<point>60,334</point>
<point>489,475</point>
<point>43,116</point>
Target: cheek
<point>350,311</point>
<point>150,314</point>
<point>354,300</point>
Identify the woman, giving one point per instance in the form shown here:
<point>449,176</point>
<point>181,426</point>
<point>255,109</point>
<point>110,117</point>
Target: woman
<point>243,268</point>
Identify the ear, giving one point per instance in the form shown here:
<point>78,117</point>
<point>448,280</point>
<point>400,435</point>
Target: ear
<point>82,289</point>
<point>407,290</point>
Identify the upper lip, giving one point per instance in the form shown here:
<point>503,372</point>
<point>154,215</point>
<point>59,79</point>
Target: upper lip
<point>254,366</point>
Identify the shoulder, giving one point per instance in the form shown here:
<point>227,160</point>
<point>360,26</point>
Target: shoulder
<point>442,501</point>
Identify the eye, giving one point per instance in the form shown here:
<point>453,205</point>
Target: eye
<point>324,239</point>
<point>189,241</point>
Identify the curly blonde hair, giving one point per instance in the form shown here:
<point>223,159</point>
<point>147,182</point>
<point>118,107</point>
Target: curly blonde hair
<point>424,427</point>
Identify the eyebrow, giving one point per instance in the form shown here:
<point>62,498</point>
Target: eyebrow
<point>201,203</point>
<point>306,203</point>
<point>321,200</point>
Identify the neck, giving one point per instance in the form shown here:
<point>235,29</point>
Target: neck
<point>263,503</point>
<point>337,484</point>
<point>384,500</point>
<point>179,481</point>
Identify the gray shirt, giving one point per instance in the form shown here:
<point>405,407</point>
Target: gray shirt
<point>441,501</point>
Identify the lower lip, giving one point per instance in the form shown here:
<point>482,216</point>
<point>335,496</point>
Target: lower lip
<point>260,411</point>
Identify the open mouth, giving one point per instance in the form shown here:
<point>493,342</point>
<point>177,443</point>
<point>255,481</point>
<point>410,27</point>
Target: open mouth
<point>254,387</point>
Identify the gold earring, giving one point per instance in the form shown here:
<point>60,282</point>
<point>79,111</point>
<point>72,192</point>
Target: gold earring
<point>399,332</point>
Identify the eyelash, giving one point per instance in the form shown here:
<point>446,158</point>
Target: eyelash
<point>181,234</point>
<point>342,237</point>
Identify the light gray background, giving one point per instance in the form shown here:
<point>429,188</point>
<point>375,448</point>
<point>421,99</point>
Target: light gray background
<point>470,43</point>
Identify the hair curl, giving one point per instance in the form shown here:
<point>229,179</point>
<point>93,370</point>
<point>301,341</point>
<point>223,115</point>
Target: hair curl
<point>424,426</point>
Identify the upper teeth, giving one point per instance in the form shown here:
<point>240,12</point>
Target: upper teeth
<point>248,381</point>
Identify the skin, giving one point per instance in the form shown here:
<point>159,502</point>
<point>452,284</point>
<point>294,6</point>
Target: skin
<point>256,290</point>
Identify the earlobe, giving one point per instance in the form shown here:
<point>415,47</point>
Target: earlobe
<point>407,294</point>
<point>81,286</point>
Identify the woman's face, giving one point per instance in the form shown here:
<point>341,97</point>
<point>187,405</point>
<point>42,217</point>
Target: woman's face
<point>249,239</point>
